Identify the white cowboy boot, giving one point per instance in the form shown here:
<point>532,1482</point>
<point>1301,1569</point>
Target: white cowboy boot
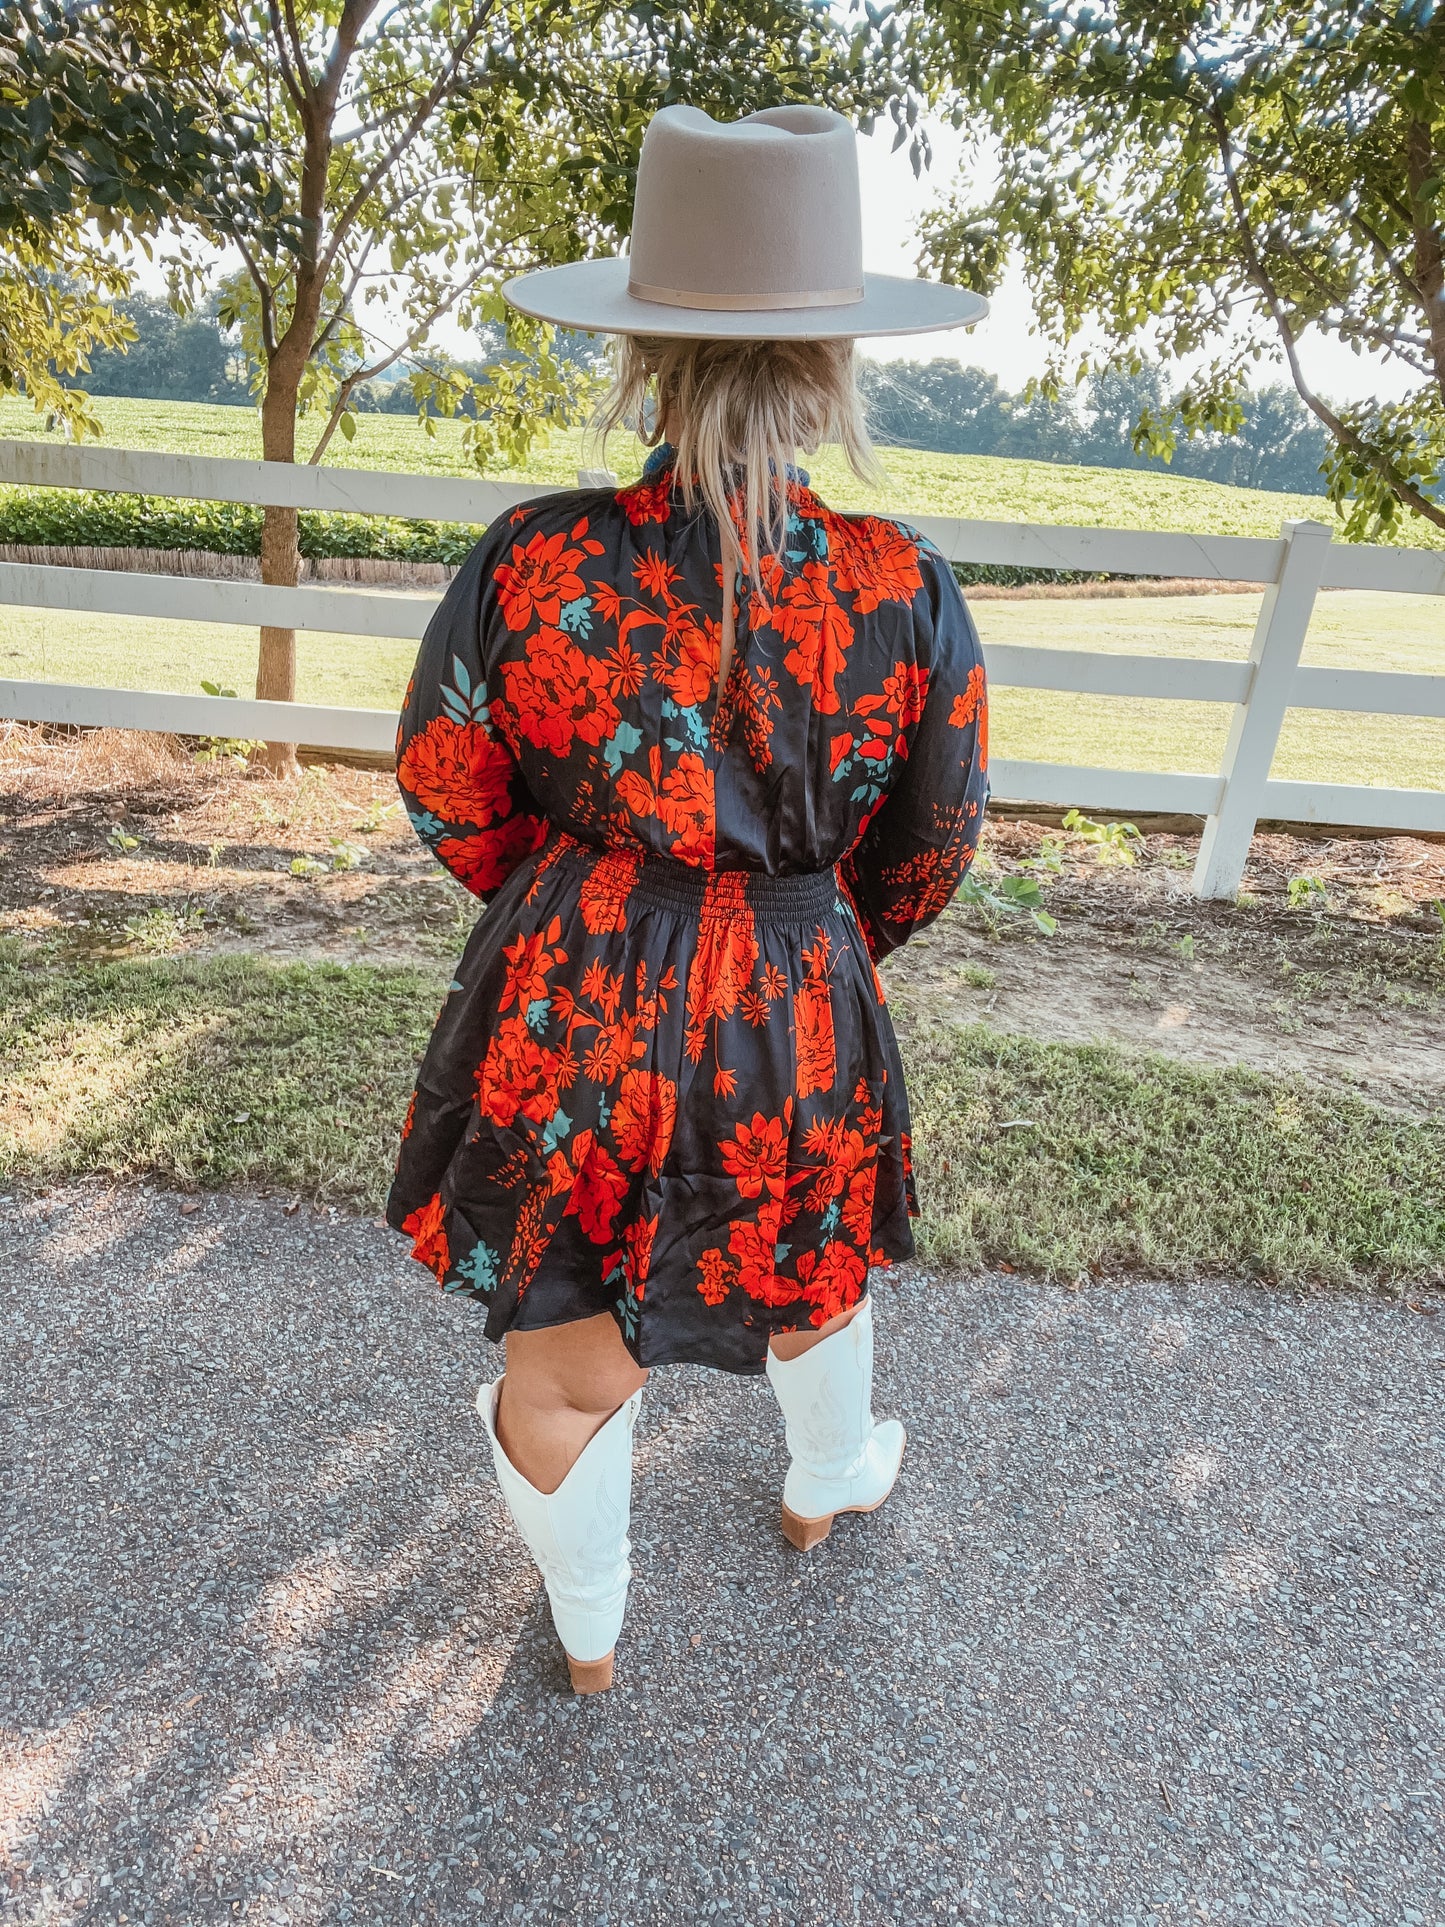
<point>841,1460</point>
<point>578,1537</point>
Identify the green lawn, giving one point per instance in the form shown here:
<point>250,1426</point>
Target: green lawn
<point>1355,629</point>
<point>980,486</point>
<point>231,1071</point>
<point>1367,631</point>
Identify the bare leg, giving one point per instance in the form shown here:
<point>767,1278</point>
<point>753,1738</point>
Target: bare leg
<point>786,1345</point>
<point>560,1389</point>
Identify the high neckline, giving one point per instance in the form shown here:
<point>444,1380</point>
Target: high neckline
<point>664,456</point>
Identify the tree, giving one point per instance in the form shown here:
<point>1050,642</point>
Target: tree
<point>1220,175</point>
<point>101,133</point>
<point>428,149</point>
<point>170,357</point>
<point>937,404</point>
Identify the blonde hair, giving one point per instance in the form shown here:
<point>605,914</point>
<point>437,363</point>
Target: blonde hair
<point>737,412</point>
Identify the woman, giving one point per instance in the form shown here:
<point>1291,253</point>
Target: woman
<point>708,750</point>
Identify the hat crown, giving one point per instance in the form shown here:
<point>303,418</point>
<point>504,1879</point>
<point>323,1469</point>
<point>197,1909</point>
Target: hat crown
<point>758,213</point>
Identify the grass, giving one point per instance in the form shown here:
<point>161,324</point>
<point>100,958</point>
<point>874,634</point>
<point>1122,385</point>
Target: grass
<point>1354,629</point>
<point>987,487</point>
<point>1358,630</point>
<point>231,1071</point>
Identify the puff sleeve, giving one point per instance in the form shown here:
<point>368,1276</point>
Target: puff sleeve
<point>463,789</point>
<point>921,839</point>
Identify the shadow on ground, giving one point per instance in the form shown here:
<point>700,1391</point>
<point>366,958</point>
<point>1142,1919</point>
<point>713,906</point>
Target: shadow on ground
<point>1149,1632</point>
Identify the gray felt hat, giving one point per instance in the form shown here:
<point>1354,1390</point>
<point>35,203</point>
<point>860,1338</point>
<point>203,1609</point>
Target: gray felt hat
<point>744,230</point>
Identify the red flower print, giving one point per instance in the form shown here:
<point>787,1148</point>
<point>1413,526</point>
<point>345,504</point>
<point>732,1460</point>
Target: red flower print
<point>904,690</point>
<point>754,1244</point>
<point>528,962</point>
<point>558,693</point>
<point>643,1119</point>
<point>599,1189</point>
<point>624,670</point>
<point>873,560</point>
<point>718,1277</point>
<point>970,699</point>
<point>833,1281</point>
<point>722,964</point>
<point>458,771</point>
<point>813,1022</point>
<point>533,586</point>
<point>637,1253</point>
<point>814,621</point>
<point>484,862</point>
<point>518,1074</point>
<point>682,801</point>
<point>605,890</point>
<point>615,1046</point>
<point>691,669</point>
<point>427,1228</point>
<point>686,807</point>
<point>654,575</point>
<point>409,1120</point>
<point>756,1156</point>
<point>646,501</point>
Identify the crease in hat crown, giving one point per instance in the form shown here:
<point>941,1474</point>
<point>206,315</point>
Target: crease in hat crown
<point>743,230</point>
<point>755,214</point>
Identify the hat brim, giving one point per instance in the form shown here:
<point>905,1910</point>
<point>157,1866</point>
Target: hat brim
<point>592,297</point>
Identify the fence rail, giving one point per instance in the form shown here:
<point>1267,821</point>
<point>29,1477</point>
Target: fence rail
<point>1292,568</point>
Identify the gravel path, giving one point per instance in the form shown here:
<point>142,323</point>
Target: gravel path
<point>1150,1631</point>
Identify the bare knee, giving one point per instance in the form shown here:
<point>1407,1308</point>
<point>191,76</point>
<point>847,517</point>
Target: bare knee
<point>786,1345</point>
<point>560,1388</point>
<point>582,1367</point>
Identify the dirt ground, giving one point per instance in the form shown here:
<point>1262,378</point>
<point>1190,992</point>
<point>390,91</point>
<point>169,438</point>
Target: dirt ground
<point>1331,965</point>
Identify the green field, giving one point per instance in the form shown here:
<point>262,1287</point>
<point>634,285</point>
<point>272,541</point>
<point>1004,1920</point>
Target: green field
<point>1354,630</point>
<point>984,487</point>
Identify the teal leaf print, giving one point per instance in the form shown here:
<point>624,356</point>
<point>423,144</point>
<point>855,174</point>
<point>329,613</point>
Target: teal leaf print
<point>623,740</point>
<point>480,1269</point>
<point>560,1127</point>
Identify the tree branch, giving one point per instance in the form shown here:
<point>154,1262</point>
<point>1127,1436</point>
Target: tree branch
<point>291,74</point>
<point>1260,276</point>
<point>415,122</point>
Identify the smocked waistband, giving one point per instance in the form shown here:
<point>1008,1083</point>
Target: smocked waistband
<point>666,884</point>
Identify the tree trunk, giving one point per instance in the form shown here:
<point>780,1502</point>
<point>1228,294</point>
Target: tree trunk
<point>280,565</point>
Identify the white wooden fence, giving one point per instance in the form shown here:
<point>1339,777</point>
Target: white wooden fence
<point>1293,566</point>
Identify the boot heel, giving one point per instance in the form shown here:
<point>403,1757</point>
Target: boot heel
<point>806,1533</point>
<point>590,1675</point>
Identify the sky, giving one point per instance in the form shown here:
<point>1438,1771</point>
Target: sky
<point>1005,342</point>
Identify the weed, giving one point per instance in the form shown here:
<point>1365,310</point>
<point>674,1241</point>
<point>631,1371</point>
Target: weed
<point>120,841</point>
<point>346,856</point>
<point>1110,842</point>
<point>1307,893</point>
<point>307,866</point>
<point>1050,858</point>
<point>978,976</point>
<point>376,814</point>
<point>1011,896</point>
<point>229,749</point>
<point>163,928</point>
<point>1185,948</point>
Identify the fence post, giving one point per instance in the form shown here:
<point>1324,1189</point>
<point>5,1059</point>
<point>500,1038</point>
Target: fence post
<point>1274,653</point>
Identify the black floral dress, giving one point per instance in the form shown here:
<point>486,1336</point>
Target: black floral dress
<point>664,1083</point>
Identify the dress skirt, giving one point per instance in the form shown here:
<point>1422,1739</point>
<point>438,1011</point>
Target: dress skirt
<point>664,1093</point>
